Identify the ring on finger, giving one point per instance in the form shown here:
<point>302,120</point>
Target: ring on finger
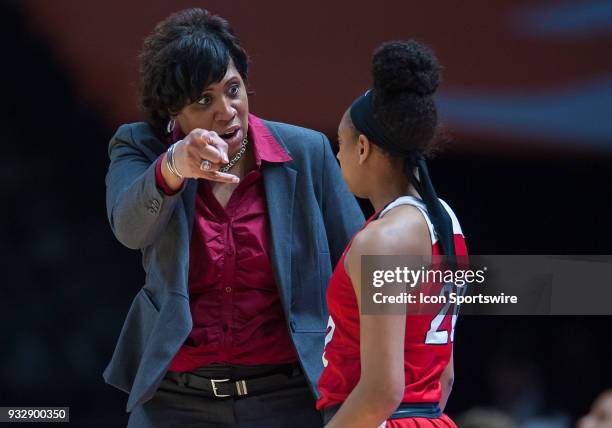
<point>205,165</point>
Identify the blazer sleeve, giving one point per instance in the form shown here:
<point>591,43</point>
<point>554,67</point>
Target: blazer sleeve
<point>137,210</point>
<point>341,212</point>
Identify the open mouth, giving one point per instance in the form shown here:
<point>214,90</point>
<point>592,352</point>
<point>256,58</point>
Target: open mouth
<point>230,133</point>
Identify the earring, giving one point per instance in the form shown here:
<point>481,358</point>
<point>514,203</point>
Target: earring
<point>170,126</point>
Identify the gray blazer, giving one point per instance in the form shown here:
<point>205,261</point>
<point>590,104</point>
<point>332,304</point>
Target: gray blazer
<point>312,218</point>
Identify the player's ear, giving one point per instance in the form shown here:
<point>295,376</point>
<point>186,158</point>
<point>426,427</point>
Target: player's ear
<point>364,146</point>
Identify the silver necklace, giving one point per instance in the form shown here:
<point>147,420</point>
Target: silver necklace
<point>236,157</point>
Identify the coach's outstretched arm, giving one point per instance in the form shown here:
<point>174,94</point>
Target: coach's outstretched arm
<point>137,210</point>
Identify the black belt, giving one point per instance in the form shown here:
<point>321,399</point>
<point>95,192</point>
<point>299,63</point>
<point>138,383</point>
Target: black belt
<point>405,410</point>
<point>226,387</point>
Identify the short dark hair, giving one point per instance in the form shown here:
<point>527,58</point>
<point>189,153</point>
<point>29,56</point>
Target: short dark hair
<point>186,52</point>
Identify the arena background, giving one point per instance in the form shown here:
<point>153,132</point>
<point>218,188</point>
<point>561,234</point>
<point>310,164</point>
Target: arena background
<point>527,97</point>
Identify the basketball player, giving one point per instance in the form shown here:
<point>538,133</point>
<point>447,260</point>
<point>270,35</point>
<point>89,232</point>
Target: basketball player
<point>390,370</point>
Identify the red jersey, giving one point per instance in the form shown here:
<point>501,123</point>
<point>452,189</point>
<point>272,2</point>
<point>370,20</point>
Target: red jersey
<point>428,340</point>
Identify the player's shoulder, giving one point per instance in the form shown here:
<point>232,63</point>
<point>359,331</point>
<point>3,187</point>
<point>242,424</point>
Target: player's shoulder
<point>402,231</point>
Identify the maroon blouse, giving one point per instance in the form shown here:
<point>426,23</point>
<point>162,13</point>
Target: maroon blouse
<point>235,304</point>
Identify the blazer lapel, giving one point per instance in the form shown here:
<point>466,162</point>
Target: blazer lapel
<point>279,182</point>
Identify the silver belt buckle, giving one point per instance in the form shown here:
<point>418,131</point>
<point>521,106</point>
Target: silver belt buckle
<point>213,382</point>
<point>241,387</point>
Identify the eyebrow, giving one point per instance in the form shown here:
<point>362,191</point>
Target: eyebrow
<point>208,88</point>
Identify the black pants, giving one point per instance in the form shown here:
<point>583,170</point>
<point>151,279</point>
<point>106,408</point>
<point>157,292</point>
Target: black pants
<point>179,406</point>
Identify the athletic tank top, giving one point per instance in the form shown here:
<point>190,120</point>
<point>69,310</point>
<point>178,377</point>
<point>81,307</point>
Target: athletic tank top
<point>428,340</point>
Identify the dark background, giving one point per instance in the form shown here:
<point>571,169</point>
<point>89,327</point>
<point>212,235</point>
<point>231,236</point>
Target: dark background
<point>527,98</point>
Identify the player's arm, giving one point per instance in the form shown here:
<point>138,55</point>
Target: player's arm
<point>446,381</point>
<point>381,386</point>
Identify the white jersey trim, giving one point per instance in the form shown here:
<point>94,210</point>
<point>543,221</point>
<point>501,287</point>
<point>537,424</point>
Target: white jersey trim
<point>418,203</point>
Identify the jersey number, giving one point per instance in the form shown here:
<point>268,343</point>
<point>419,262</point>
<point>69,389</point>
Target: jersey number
<point>434,335</point>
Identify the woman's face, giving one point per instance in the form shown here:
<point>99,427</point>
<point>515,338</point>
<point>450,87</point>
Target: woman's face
<point>348,155</point>
<point>223,108</point>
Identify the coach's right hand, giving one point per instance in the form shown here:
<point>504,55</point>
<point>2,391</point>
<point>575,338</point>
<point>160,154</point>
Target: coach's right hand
<point>189,153</point>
